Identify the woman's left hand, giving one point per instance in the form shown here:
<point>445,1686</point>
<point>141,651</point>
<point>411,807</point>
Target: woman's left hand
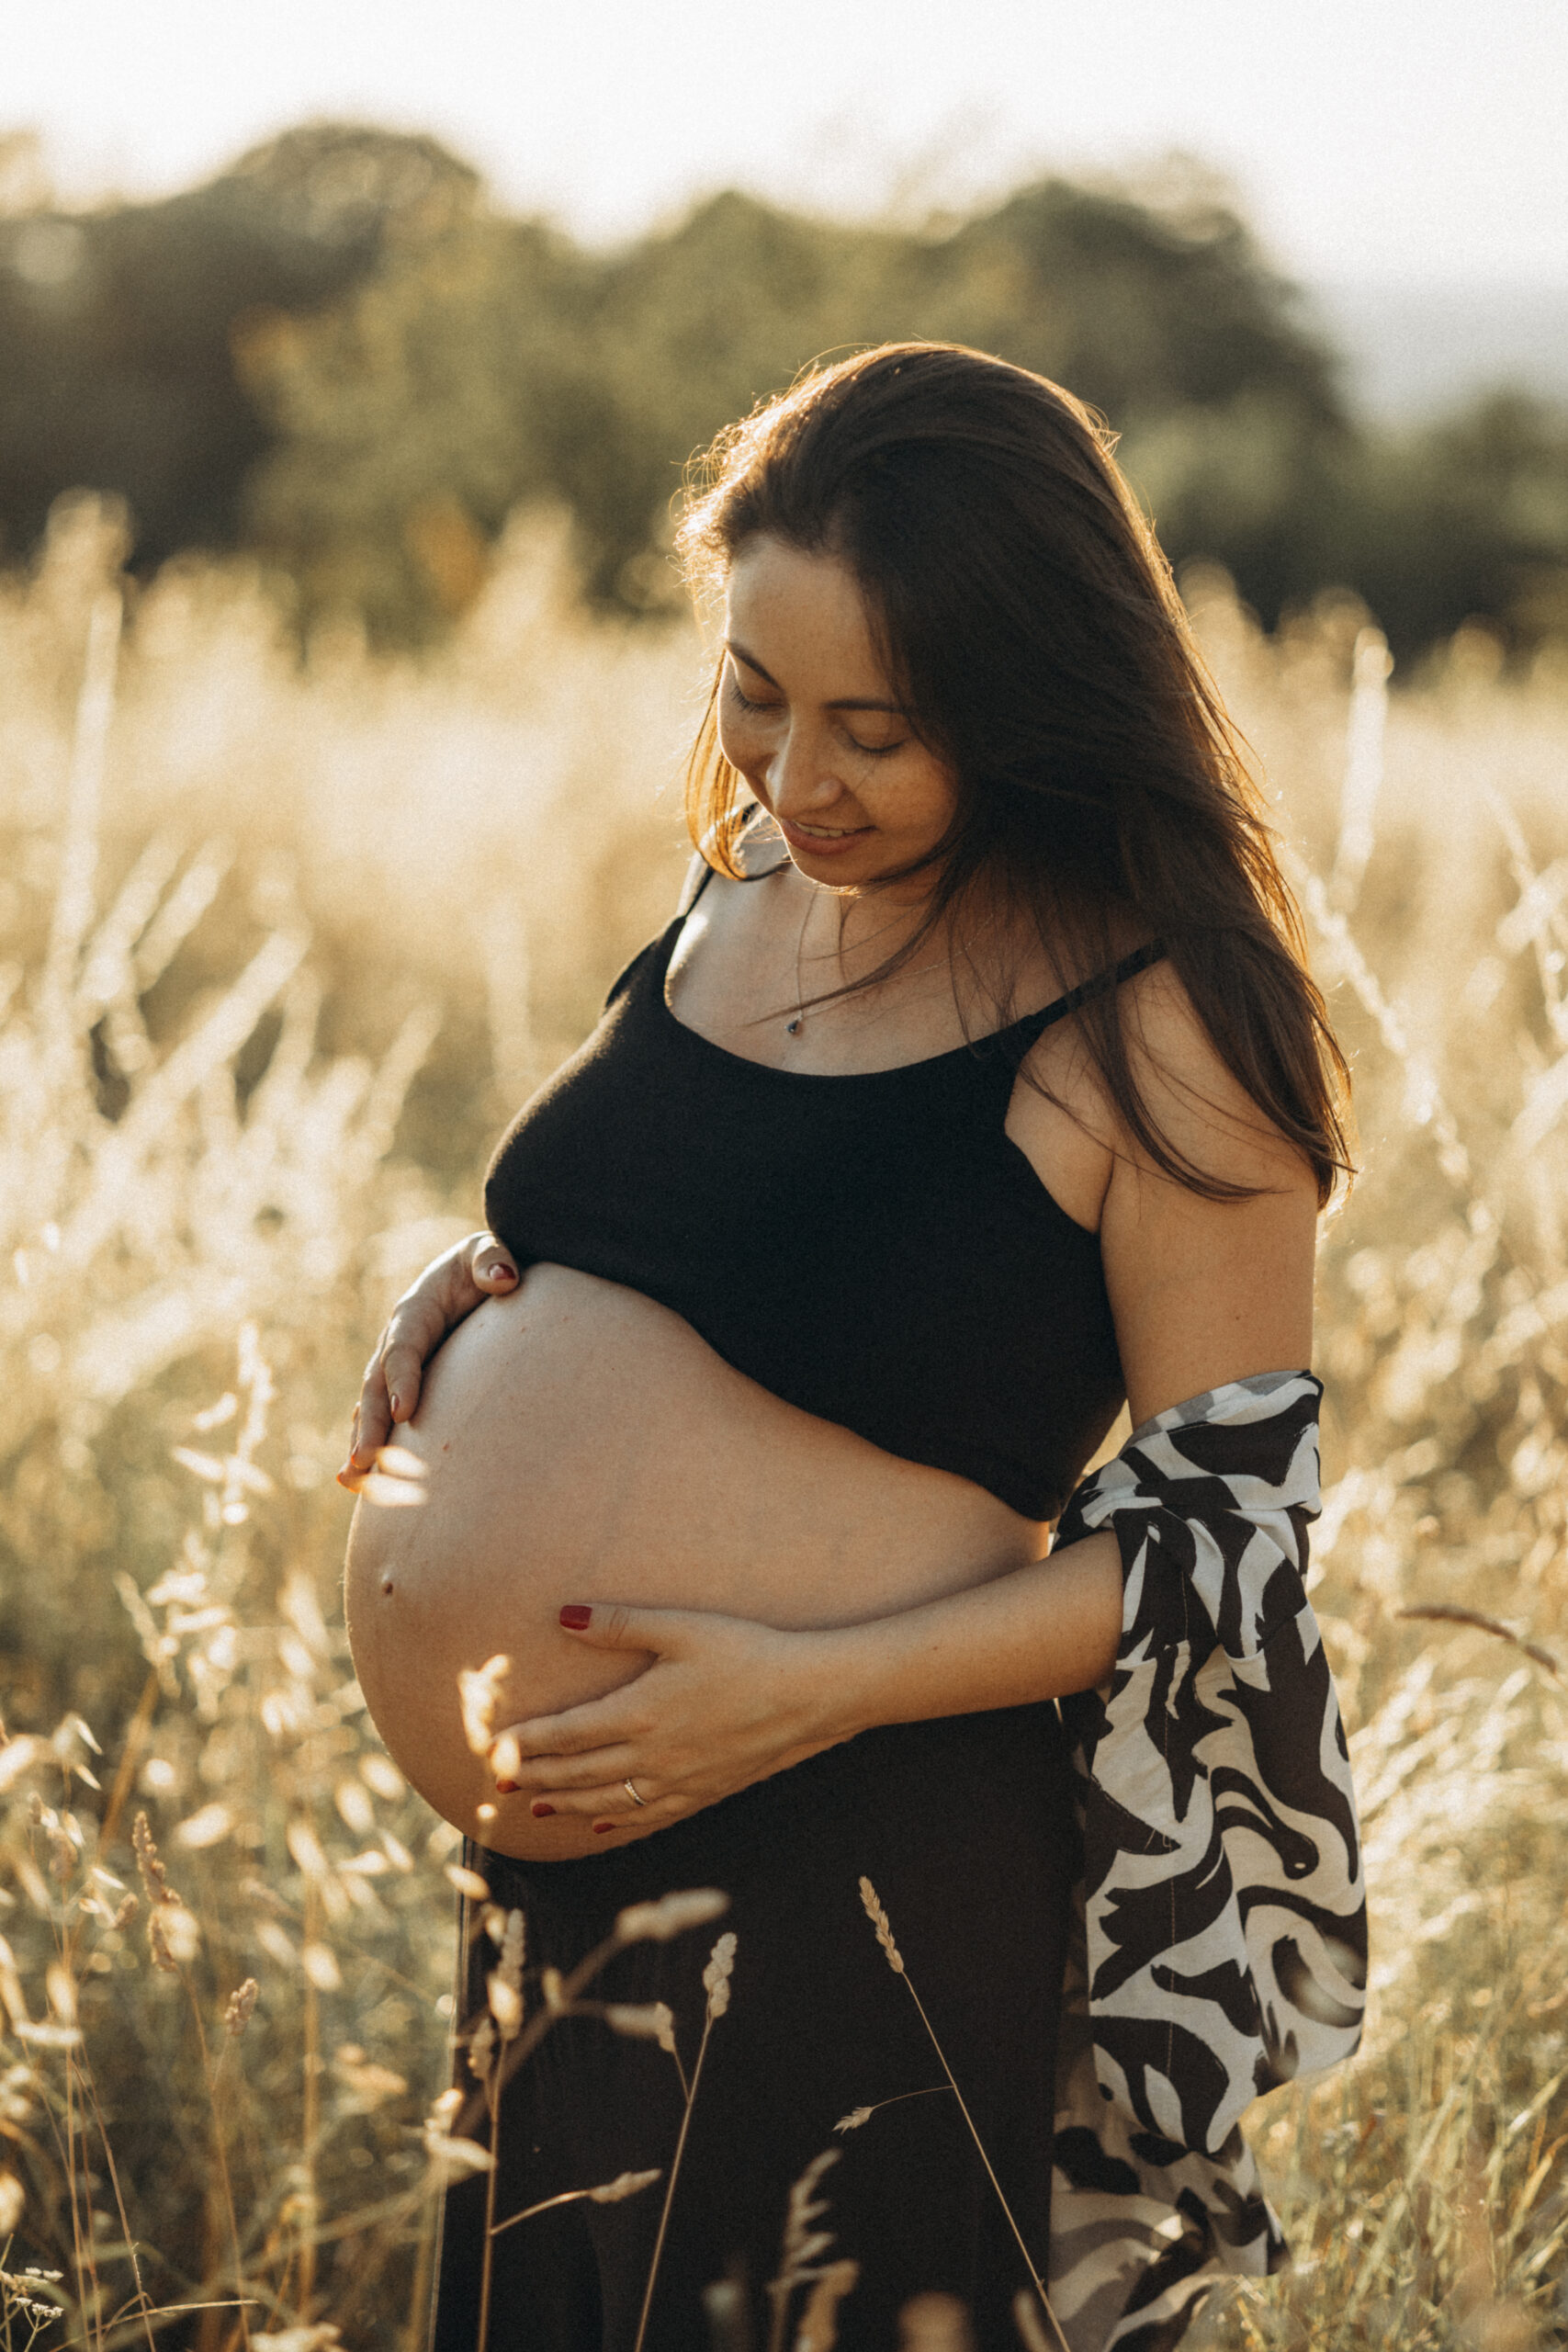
<point>725,1702</point>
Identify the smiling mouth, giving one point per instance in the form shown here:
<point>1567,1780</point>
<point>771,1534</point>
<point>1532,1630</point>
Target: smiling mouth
<point>825,832</point>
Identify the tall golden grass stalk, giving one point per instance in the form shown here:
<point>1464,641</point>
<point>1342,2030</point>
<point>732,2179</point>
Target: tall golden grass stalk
<point>715,1984</point>
<point>883,1926</point>
<point>804,2262</point>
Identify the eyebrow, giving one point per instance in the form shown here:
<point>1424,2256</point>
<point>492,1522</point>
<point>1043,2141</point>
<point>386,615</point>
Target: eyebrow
<point>845,702</point>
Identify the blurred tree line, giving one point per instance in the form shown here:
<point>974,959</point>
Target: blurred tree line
<point>339,356</point>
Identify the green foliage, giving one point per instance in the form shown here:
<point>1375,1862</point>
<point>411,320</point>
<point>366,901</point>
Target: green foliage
<point>1469,516</point>
<point>500,363</point>
<point>336,355</point>
<point>118,326</point>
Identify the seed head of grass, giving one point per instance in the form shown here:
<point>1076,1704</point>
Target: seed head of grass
<point>478,1693</point>
<point>879,1920</point>
<point>672,1916</point>
<point>172,1935</point>
<point>802,2244</point>
<point>173,1938</point>
<point>452,2155</point>
<point>505,2005</point>
<point>716,1974</point>
<point>819,2329</point>
<point>643,2022</point>
<point>241,2003</point>
<point>626,2184</point>
<point>155,1877</point>
<point>510,1970</point>
<point>467,1882</point>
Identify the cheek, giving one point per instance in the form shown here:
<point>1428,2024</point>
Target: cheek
<point>738,741</point>
<point>933,804</point>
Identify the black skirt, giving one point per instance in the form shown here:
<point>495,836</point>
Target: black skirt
<point>965,1827</point>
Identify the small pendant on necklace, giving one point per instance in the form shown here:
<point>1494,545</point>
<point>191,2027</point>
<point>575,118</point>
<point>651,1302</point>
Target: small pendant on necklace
<point>797,1025</point>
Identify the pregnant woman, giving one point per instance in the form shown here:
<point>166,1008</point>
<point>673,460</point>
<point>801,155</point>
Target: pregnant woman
<point>977,1088</point>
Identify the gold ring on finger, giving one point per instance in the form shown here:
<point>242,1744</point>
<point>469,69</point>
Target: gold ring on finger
<point>630,1789</point>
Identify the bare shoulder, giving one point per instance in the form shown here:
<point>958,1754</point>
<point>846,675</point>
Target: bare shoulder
<point>1194,1099</point>
<point>1204,1290</point>
<point>1065,1120</point>
<point>1190,1097</point>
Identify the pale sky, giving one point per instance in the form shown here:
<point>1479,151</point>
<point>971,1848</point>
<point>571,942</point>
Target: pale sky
<point>1372,139</point>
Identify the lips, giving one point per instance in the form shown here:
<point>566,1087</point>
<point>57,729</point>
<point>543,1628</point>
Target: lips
<point>824,844</point>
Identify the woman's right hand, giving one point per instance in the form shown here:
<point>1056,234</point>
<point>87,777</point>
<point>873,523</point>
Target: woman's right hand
<point>450,1287</point>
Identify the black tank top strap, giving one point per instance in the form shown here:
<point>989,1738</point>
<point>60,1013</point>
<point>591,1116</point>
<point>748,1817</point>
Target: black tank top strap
<point>1022,1035</point>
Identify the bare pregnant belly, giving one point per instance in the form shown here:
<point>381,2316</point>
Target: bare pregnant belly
<point>581,1443</point>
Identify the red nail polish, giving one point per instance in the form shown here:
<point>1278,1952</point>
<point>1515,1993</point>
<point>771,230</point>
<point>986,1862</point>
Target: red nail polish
<point>577,1616</point>
<point>603,1828</point>
<point>539,1809</point>
<point>507,1787</point>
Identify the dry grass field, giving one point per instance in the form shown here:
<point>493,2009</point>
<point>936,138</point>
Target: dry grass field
<point>285,940</point>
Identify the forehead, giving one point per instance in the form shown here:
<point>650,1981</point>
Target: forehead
<point>807,611</point>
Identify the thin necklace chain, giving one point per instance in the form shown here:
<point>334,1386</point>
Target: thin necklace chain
<point>793,1026</point>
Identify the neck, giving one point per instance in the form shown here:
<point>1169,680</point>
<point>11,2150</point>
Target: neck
<point>848,952</point>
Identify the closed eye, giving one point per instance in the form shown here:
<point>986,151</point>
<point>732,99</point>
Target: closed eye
<point>744,701</point>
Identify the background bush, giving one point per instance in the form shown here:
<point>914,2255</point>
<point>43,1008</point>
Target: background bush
<point>341,356</point>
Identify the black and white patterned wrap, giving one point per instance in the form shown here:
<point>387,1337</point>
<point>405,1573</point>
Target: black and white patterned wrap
<point>1222,1942</point>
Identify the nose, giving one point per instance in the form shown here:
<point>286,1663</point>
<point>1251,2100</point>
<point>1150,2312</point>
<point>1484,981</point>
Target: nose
<point>801,773</point>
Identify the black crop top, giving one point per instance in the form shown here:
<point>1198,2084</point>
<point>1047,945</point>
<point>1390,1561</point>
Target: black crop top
<point>873,1248</point>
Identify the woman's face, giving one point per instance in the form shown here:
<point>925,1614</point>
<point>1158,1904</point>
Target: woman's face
<point>809,716</point>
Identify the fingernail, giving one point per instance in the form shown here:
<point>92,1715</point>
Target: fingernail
<point>501,1274</point>
<point>539,1809</point>
<point>603,1828</point>
<point>508,1788</point>
<point>394,1403</point>
<point>577,1616</point>
<point>347,1477</point>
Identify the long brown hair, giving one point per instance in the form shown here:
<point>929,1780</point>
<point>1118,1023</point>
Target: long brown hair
<point>1029,620</point>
